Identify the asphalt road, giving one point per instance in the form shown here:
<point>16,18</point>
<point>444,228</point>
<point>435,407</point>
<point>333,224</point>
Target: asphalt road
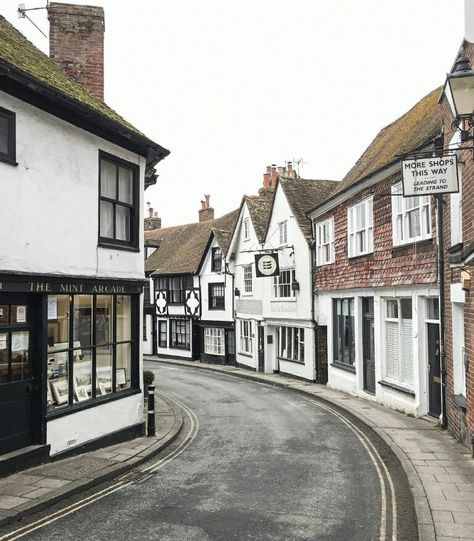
<point>263,464</point>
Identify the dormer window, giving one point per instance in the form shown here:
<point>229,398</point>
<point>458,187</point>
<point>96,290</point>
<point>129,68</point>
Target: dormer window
<point>7,136</point>
<point>246,229</point>
<point>216,260</point>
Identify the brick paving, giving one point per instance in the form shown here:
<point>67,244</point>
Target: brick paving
<point>439,469</point>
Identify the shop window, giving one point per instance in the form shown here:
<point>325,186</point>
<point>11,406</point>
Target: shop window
<point>162,334</point>
<point>14,343</point>
<point>324,234</point>
<point>248,280</point>
<point>399,341</point>
<point>179,330</point>
<point>118,202</point>
<point>96,357</point>
<point>291,347</point>
<point>246,337</point>
<point>216,260</point>
<point>411,217</point>
<point>7,136</point>
<point>216,296</point>
<point>360,238</point>
<point>282,284</point>
<point>214,341</point>
<point>343,333</point>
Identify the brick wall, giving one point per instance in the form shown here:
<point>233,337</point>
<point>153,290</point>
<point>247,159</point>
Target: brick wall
<point>387,265</point>
<point>76,43</point>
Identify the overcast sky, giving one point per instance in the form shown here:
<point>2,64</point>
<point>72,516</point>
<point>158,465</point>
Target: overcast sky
<point>232,86</point>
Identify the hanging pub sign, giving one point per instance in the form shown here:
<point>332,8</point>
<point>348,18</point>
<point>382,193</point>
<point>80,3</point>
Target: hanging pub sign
<point>425,176</point>
<point>266,265</point>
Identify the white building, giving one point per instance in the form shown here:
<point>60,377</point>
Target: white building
<point>73,177</point>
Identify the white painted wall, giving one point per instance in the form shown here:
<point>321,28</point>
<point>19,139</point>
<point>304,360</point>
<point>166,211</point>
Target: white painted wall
<point>54,191</point>
<point>78,428</point>
<point>469,20</point>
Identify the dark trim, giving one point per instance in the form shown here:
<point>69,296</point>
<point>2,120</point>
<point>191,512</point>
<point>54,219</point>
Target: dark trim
<point>245,354</point>
<point>210,287</point>
<point>10,156</point>
<point>396,387</point>
<point>91,403</point>
<point>291,360</point>
<point>119,436</point>
<point>342,366</point>
<point>113,246</point>
<point>218,324</point>
<point>24,458</point>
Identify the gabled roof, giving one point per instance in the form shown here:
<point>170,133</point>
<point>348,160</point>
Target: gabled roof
<point>182,247</point>
<point>223,238</point>
<point>260,208</point>
<point>412,131</point>
<point>30,75</point>
<point>303,195</point>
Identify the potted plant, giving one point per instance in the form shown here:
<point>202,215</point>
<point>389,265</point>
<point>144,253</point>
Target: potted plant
<point>148,379</point>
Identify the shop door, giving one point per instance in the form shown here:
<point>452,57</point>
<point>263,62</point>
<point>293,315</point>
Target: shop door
<point>230,346</point>
<point>197,332</point>
<point>368,344</point>
<point>261,350</point>
<point>16,380</point>
<point>434,370</point>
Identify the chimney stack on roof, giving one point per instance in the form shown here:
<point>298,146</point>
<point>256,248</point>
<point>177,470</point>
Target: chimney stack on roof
<point>206,212</point>
<point>76,43</point>
<point>270,177</point>
<point>153,221</point>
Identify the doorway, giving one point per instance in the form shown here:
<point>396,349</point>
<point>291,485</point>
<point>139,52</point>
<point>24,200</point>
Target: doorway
<point>261,350</point>
<point>368,344</point>
<point>434,370</point>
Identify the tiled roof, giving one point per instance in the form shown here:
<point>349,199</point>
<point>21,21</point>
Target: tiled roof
<point>223,238</point>
<point>181,248</point>
<point>260,207</point>
<point>19,55</point>
<point>411,131</point>
<point>303,195</point>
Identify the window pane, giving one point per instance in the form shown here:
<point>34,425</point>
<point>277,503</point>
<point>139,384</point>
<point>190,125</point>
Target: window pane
<point>124,318</point>
<point>106,220</point>
<point>125,185</point>
<point>4,346</point>
<point>122,223</point>
<point>108,179</point>
<point>82,376</point>
<point>104,319</point>
<point>19,362</point>
<point>103,370</point>
<point>3,135</point>
<point>432,308</point>
<point>83,320</point>
<point>123,371</point>
<point>406,308</point>
<point>392,309</point>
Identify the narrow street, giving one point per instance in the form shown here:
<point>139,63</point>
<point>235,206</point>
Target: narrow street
<point>252,462</point>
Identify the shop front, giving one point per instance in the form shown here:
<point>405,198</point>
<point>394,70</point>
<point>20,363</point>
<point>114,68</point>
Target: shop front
<point>69,361</point>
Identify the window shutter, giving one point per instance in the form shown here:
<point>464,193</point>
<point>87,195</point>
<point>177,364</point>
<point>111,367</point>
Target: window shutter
<point>392,349</point>
<point>407,351</point>
<point>350,231</point>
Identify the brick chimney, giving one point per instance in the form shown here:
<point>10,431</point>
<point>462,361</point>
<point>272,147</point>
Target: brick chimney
<point>270,177</point>
<point>206,212</point>
<point>153,221</point>
<point>76,43</point>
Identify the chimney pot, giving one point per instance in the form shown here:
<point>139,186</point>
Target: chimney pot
<point>206,212</point>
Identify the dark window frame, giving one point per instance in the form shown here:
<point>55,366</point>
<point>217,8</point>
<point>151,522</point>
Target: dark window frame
<point>174,295</point>
<point>174,343</point>
<point>134,207</point>
<point>10,155</point>
<point>162,339</point>
<point>216,260</point>
<point>216,302</point>
<point>346,335</point>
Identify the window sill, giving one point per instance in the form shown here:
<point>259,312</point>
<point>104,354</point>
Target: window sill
<point>182,348</point>
<point>359,257</point>
<point>460,401</point>
<point>113,246</point>
<point>91,403</point>
<point>342,366</point>
<point>397,387</point>
<point>245,354</point>
<point>216,309</point>
<point>325,264</point>
<point>290,360</point>
<point>4,159</point>
<point>284,299</point>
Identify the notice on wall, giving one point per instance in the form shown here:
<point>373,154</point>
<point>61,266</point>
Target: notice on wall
<point>426,176</point>
<point>21,314</point>
<point>52,307</point>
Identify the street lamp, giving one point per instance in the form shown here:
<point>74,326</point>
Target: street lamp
<point>459,90</point>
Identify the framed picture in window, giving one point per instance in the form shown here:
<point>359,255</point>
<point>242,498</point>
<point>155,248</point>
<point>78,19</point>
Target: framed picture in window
<point>81,393</point>
<point>104,376</point>
<point>120,376</point>
<point>60,390</point>
<point>83,374</point>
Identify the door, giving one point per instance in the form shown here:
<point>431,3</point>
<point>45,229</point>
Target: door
<point>261,350</point>
<point>368,344</point>
<point>16,375</point>
<point>197,332</point>
<point>434,370</point>
<point>230,340</point>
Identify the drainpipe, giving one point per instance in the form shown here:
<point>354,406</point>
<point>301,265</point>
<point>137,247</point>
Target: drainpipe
<point>312,253</point>
<point>442,353</point>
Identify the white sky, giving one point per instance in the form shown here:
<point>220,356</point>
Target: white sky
<point>232,86</point>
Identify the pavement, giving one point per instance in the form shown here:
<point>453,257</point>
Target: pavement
<point>439,469</point>
<point>32,490</point>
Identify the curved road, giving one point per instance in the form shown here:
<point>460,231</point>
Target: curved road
<point>265,464</point>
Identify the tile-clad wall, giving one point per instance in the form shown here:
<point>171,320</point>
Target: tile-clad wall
<point>387,265</point>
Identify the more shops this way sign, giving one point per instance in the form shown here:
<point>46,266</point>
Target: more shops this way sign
<point>425,176</point>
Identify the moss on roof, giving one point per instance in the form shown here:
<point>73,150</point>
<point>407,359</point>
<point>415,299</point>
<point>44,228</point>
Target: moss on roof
<point>20,54</point>
<point>303,195</point>
<point>260,208</point>
<point>411,131</point>
<point>181,248</point>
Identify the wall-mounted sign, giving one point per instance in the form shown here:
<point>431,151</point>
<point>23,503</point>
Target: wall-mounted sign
<point>425,176</point>
<point>266,265</point>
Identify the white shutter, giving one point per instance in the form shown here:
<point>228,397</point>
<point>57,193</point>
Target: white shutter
<point>350,231</point>
<point>407,351</point>
<point>392,350</point>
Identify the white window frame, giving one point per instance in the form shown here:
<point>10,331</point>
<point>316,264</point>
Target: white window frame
<point>214,341</point>
<point>324,235</point>
<point>247,280</point>
<point>289,276</point>
<point>246,228</point>
<point>403,366</point>
<point>245,336</point>
<point>403,208</point>
<point>360,231</point>
<point>288,338</point>
<point>283,231</point>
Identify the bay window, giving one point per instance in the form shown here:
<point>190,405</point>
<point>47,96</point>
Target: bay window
<point>214,341</point>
